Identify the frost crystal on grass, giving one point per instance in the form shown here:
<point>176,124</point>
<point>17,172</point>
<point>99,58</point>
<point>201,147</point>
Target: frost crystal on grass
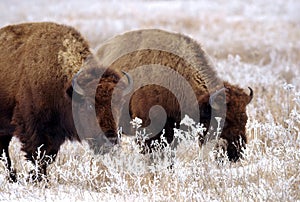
<point>297,98</point>
<point>194,129</point>
<point>187,121</point>
<point>136,122</point>
<point>288,87</point>
<point>200,129</point>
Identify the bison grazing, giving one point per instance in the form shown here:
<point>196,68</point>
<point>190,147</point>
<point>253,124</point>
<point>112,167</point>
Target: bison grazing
<point>145,54</point>
<point>39,76</point>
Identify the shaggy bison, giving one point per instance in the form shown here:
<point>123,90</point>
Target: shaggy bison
<point>144,54</point>
<point>39,76</point>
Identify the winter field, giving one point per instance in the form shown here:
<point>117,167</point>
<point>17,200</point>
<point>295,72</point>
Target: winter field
<point>254,44</point>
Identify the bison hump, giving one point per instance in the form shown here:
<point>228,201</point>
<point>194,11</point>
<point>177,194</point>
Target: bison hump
<point>179,52</point>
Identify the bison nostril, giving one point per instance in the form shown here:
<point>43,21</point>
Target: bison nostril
<point>112,136</point>
<point>113,140</point>
<point>111,133</point>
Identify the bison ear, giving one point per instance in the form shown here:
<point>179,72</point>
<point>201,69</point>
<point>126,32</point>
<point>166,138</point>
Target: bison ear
<point>74,95</point>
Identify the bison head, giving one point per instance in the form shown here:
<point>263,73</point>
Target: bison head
<point>231,101</point>
<point>97,102</point>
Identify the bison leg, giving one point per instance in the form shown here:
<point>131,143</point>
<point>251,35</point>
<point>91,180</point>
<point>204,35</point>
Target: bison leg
<point>41,148</point>
<point>168,135</point>
<point>163,138</point>
<point>4,143</point>
<point>235,149</point>
<point>41,159</point>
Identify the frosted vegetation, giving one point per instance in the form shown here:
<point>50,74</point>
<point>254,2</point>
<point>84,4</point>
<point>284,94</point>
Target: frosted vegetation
<point>253,44</point>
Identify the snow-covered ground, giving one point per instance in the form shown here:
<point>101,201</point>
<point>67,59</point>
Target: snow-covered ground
<point>252,43</point>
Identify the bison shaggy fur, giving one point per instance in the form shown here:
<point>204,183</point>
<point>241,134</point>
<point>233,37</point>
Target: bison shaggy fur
<point>38,63</point>
<point>186,57</point>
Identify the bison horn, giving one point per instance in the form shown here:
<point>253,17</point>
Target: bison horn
<point>251,94</point>
<point>76,86</point>
<point>130,83</point>
<point>212,98</point>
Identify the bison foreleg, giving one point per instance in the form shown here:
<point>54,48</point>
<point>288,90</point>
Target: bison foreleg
<point>41,158</point>
<point>164,137</point>
<point>38,174</point>
<point>235,149</point>
<point>161,140</point>
<point>41,140</point>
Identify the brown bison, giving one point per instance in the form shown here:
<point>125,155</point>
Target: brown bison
<point>157,61</point>
<point>39,78</point>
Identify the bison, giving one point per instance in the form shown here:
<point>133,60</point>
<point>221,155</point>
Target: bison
<point>47,76</point>
<point>144,54</point>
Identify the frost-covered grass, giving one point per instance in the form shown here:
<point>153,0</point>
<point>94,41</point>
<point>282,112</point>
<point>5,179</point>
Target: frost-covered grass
<point>253,44</point>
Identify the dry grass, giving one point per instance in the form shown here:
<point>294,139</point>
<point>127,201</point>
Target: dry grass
<point>255,45</point>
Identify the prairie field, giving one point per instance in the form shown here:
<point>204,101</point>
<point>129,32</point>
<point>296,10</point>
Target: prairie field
<point>251,43</point>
